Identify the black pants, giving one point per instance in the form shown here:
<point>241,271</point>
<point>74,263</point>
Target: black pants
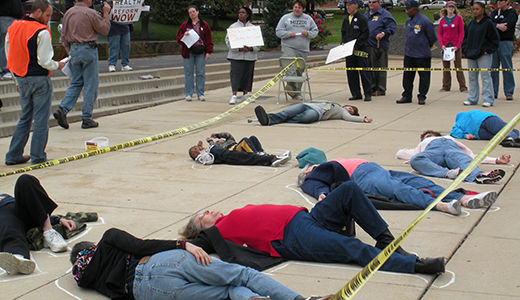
<point>409,76</point>
<point>31,209</point>
<point>353,76</point>
<point>242,158</point>
<point>378,58</point>
<point>241,75</point>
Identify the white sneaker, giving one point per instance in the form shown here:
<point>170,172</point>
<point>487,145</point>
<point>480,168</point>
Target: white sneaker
<point>486,104</point>
<point>454,207</point>
<point>111,68</point>
<point>245,97</point>
<point>453,173</point>
<point>126,68</point>
<point>280,160</point>
<point>484,199</point>
<point>15,263</point>
<point>233,100</point>
<point>53,240</point>
<point>468,103</point>
<point>7,76</point>
<point>187,98</point>
<point>202,98</point>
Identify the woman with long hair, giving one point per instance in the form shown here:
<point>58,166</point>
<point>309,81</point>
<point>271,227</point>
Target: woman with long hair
<point>451,34</point>
<point>196,56</point>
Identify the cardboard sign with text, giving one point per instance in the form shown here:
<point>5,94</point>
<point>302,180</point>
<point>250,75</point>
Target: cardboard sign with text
<point>127,11</point>
<point>249,36</point>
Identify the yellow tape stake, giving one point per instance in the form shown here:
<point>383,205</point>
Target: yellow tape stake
<point>376,69</point>
<point>355,284</point>
<point>156,137</point>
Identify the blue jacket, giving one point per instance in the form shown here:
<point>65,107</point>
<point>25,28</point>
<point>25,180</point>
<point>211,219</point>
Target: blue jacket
<point>380,21</point>
<point>322,177</point>
<point>420,37</point>
<point>468,122</point>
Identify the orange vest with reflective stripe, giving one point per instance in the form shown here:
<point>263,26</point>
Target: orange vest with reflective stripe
<point>20,32</point>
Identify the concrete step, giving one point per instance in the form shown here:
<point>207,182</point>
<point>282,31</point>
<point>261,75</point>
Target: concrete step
<point>123,91</point>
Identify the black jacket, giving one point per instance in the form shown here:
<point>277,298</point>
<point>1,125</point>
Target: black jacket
<point>480,37</point>
<point>212,242</point>
<point>358,29</point>
<point>106,272</point>
<point>507,16</point>
<point>11,8</point>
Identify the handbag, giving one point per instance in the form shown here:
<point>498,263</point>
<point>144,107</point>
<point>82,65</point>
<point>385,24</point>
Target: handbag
<point>197,49</point>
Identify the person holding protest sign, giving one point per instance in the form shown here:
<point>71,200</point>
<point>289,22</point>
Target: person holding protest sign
<point>451,34</point>
<point>196,56</point>
<point>242,60</point>
<point>119,41</point>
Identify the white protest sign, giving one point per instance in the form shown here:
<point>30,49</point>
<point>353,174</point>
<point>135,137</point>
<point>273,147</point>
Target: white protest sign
<point>340,52</point>
<point>126,11</point>
<point>449,54</point>
<point>249,36</point>
<point>191,38</point>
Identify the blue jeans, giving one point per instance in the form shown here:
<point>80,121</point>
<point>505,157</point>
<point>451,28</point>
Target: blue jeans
<point>398,186</point>
<point>298,113</point>
<point>117,43</point>
<point>35,100</point>
<point>504,57</point>
<point>84,68</point>
<point>5,22</point>
<point>440,156</point>
<point>487,87</point>
<point>175,274</point>
<point>491,126</point>
<point>314,236</point>
<point>195,63</point>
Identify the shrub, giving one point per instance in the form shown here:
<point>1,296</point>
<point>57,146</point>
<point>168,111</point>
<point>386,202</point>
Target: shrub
<point>323,32</point>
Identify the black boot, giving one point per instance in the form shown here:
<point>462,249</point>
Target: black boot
<point>430,265</point>
<point>386,238</point>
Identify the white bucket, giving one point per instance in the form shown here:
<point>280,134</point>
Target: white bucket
<point>96,143</point>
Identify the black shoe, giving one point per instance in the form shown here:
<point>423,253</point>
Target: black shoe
<point>430,265</point>
<point>23,160</point>
<point>421,100</point>
<point>261,115</point>
<point>89,123</point>
<point>355,98</point>
<point>386,238</point>
<point>61,117</point>
<point>368,98</point>
<point>403,100</point>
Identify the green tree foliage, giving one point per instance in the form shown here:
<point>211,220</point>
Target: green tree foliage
<point>274,10</point>
<point>175,12</point>
<point>169,12</point>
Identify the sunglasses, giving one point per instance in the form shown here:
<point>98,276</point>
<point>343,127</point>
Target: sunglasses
<point>373,1</point>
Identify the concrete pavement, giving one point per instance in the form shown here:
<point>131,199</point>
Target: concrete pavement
<point>151,190</point>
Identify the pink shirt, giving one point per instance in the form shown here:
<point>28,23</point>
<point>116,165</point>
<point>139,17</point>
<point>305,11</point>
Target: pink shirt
<point>453,32</point>
<point>350,164</point>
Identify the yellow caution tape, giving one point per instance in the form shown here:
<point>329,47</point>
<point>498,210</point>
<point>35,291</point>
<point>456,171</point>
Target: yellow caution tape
<point>156,137</point>
<point>375,69</point>
<point>355,284</point>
